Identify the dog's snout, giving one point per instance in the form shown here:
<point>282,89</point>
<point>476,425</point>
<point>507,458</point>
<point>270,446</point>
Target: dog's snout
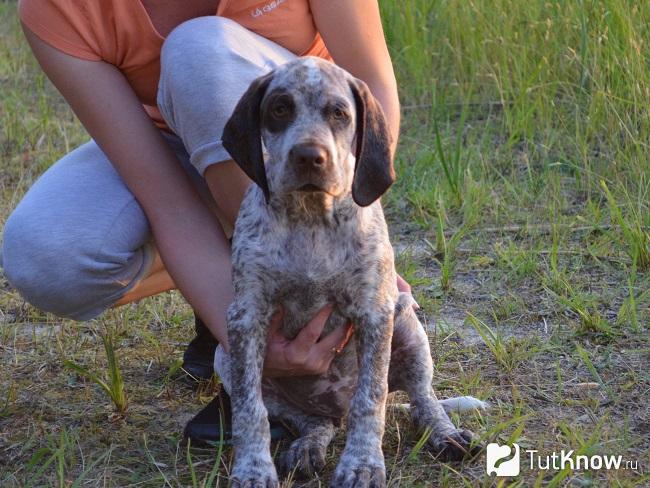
<point>312,155</point>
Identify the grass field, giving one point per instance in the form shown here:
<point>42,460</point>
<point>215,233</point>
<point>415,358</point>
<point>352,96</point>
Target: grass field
<point>521,216</point>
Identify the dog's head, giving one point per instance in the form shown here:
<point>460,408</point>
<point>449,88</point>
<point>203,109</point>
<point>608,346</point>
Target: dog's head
<point>309,113</point>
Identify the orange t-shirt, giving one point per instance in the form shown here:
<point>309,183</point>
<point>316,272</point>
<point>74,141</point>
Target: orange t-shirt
<point>120,32</point>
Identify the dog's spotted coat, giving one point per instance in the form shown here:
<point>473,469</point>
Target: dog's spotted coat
<point>312,232</point>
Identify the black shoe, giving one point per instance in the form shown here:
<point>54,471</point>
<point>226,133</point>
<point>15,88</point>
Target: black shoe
<point>212,425</point>
<point>198,359</point>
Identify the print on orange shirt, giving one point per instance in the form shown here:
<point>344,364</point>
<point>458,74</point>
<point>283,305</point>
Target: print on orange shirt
<point>266,8</point>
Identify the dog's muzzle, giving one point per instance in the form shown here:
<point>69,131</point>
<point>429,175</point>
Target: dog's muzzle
<point>312,166</point>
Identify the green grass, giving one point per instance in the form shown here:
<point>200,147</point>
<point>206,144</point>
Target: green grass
<point>114,386</point>
<point>521,216</point>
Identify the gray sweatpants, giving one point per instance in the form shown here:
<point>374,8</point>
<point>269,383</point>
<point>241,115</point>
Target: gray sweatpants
<point>79,240</point>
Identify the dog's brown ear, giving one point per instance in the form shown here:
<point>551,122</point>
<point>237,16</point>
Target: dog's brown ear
<point>373,172</point>
<point>242,135</point>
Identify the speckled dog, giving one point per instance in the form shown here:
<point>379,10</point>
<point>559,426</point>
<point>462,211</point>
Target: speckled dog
<point>312,232</point>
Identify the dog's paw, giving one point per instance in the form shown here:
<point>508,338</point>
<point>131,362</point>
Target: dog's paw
<point>306,455</point>
<point>454,445</point>
<point>359,473</point>
<point>254,472</point>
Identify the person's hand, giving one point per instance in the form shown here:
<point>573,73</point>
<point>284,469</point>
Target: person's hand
<point>404,287</point>
<point>308,353</point>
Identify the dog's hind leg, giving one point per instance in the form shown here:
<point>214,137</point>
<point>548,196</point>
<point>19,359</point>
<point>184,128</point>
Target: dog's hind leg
<point>306,454</point>
<point>411,370</point>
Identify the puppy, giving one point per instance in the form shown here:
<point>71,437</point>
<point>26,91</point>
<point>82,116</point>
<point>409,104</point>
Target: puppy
<point>311,231</point>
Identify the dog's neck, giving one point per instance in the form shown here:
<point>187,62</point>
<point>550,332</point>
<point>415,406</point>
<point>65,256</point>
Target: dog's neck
<point>317,208</point>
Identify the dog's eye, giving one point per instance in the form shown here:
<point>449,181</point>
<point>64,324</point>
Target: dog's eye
<point>338,113</point>
<point>280,111</point>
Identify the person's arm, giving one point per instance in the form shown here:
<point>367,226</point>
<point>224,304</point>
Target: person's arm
<point>188,236</point>
<point>354,36</point>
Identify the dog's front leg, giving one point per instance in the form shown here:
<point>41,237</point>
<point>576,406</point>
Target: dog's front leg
<point>362,461</point>
<point>248,322</point>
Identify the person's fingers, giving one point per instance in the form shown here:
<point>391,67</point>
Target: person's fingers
<point>348,336</point>
<point>402,285</point>
<point>311,332</point>
<point>276,322</point>
<point>335,341</point>
<point>322,354</point>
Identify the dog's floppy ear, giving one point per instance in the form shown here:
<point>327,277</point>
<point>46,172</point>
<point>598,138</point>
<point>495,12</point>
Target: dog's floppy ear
<point>373,172</point>
<point>242,135</point>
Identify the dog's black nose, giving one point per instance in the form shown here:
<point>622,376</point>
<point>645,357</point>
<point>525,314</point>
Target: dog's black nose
<point>308,155</point>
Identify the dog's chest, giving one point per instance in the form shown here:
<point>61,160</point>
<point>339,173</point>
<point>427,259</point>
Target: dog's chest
<point>312,255</point>
<point>311,267</point>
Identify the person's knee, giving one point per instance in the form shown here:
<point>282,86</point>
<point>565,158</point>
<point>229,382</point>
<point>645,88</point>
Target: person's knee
<point>21,262</point>
<point>196,40</point>
<point>34,266</point>
<point>198,28</point>
<point>194,61</point>
<point>54,275</point>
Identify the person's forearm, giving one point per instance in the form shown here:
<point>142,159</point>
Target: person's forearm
<point>354,36</point>
<point>227,184</point>
<point>386,94</point>
<point>197,255</point>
